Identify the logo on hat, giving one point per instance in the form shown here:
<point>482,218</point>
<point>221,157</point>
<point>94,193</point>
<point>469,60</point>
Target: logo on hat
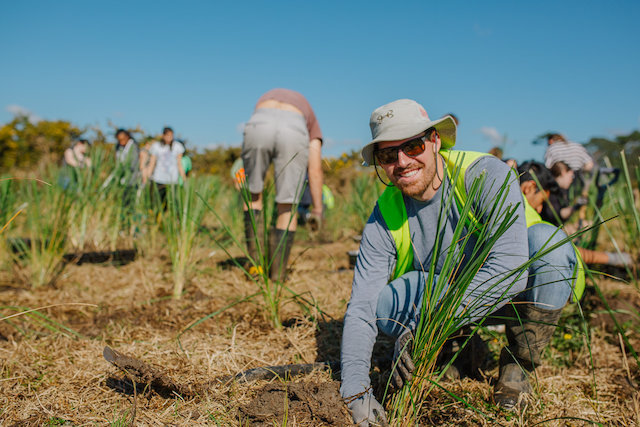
<point>381,117</point>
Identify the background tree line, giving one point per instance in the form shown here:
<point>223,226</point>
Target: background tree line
<point>26,144</point>
<point>602,148</point>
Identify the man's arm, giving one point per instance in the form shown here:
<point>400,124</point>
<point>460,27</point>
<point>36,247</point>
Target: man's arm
<point>315,175</point>
<point>376,261</point>
<point>587,160</point>
<point>146,174</point>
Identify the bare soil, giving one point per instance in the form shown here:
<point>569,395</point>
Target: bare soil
<point>51,376</point>
<point>307,403</point>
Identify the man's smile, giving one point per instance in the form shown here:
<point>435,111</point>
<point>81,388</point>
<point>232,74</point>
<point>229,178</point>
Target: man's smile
<point>407,173</point>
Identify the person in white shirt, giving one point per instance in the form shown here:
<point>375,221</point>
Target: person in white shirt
<point>165,164</point>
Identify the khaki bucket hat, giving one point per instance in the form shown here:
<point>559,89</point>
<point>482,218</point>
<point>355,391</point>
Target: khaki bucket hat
<point>403,119</point>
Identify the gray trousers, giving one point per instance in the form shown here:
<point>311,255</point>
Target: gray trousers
<point>279,137</point>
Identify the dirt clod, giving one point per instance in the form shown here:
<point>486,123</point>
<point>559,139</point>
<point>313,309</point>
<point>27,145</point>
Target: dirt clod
<point>143,373</point>
<point>303,403</point>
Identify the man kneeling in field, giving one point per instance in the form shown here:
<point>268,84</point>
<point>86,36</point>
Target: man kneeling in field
<point>398,243</point>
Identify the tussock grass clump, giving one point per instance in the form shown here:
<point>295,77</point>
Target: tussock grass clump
<point>442,312</point>
<point>38,257</point>
<point>101,202</point>
<point>366,188</point>
<point>182,222</point>
<point>7,202</point>
<point>256,267</point>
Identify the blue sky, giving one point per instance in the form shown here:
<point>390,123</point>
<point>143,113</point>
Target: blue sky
<point>505,68</point>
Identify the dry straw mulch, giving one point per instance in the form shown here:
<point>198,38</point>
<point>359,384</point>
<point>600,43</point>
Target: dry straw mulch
<point>48,377</point>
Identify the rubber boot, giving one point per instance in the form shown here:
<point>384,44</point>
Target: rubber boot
<point>280,242</point>
<point>527,337</point>
<point>254,235</point>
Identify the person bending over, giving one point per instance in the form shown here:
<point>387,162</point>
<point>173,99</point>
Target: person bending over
<point>283,130</point>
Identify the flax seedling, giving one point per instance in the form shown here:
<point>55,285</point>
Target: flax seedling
<point>443,308</point>
<point>39,257</point>
<point>98,206</point>
<point>182,224</point>
<point>365,191</point>
<point>7,202</point>
<point>274,293</point>
<point>7,215</point>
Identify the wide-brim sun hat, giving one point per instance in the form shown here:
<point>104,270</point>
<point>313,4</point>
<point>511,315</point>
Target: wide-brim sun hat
<point>403,119</point>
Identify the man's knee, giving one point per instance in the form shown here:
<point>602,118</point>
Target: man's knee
<point>544,237</point>
<point>551,275</point>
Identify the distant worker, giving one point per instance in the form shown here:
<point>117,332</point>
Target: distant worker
<point>127,157</point>
<point>512,163</point>
<point>74,158</point>
<point>559,149</point>
<point>496,152</point>
<point>283,130</point>
<point>557,209</point>
<point>187,164</point>
<point>165,164</point>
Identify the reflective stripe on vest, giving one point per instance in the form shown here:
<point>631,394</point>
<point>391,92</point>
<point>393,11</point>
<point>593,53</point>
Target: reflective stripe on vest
<point>394,213</point>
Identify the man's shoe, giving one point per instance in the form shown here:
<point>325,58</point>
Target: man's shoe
<point>513,385</point>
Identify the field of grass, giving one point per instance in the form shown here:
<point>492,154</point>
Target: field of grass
<point>183,307</point>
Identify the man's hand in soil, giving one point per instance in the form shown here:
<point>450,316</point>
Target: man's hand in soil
<point>403,366</point>
<point>366,411</point>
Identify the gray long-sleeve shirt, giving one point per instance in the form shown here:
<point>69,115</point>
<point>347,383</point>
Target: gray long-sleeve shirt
<point>377,258</point>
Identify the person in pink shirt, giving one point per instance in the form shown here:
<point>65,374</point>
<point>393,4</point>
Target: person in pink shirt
<point>283,130</point>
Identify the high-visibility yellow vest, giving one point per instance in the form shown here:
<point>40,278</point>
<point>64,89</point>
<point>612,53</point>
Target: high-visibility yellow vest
<point>394,212</point>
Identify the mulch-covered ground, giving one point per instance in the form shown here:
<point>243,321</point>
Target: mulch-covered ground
<point>50,376</point>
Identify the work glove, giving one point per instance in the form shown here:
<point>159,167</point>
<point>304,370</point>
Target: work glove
<point>366,411</point>
<point>403,366</point>
<point>619,259</point>
<point>315,221</point>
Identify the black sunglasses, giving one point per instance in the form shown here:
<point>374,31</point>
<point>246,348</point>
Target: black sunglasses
<point>412,148</point>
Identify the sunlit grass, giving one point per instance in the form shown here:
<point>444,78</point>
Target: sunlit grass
<point>182,225</point>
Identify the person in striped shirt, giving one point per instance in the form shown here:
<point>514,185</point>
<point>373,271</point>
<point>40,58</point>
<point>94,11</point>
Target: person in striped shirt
<point>559,149</point>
